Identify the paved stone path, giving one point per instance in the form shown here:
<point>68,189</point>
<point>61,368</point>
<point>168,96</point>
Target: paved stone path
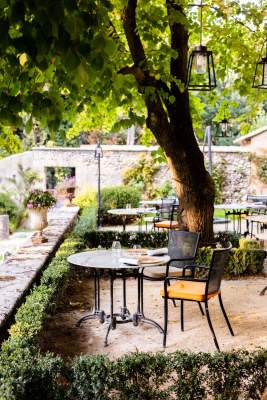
<point>19,271</point>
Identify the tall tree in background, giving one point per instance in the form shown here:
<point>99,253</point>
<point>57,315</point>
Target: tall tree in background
<point>129,55</point>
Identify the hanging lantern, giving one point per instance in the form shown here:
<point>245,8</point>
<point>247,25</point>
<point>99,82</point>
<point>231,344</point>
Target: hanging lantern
<point>224,127</point>
<point>200,69</point>
<point>260,76</point>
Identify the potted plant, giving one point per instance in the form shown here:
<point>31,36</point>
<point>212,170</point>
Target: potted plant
<point>38,202</point>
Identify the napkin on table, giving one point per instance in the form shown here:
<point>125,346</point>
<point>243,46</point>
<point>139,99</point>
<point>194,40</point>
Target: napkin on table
<point>157,252</point>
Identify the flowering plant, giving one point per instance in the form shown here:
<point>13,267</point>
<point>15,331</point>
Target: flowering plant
<point>40,198</point>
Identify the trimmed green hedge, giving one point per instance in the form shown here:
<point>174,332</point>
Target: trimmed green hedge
<point>26,374</point>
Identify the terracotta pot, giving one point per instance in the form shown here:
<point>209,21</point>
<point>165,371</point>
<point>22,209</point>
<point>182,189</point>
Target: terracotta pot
<point>38,218</point>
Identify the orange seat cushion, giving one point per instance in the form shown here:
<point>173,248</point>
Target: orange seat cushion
<point>166,224</point>
<point>188,290</point>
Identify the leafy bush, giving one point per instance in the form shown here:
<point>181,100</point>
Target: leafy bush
<point>164,190</point>
<point>8,206</point>
<point>117,197</point>
<point>86,198</point>
<point>141,175</point>
<point>93,239</point>
<point>86,222</point>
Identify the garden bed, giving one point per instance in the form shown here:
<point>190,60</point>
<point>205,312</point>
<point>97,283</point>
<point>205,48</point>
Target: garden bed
<point>28,372</point>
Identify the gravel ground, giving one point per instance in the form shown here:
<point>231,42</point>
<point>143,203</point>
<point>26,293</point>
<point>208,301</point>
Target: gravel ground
<point>246,309</point>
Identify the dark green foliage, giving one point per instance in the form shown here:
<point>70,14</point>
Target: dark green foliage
<point>86,222</point>
<point>118,197</point>
<point>128,239</point>
<point>225,237</point>
<point>8,206</point>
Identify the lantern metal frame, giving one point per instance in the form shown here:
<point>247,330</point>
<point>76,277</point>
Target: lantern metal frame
<point>262,64</point>
<point>210,74</point>
<point>210,78</point>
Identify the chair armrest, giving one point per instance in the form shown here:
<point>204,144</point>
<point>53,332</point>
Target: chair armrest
<point>195,266</point>
<point>180,259</point>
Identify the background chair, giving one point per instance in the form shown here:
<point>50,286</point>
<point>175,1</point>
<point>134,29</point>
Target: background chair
<point>198,289</point>
<point>182,249</point>
<point>168,218</point>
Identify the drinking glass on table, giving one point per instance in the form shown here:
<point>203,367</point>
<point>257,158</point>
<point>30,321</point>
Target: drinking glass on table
<point>116,249</point>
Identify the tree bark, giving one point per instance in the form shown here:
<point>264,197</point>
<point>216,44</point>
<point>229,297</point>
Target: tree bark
<point>171,122</point>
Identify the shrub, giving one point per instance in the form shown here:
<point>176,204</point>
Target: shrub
<point>8,206</point>
<point>86,198</point>
<point>86,222</point>
<point>93,239</point>
<point>141,175</point>
<point>117,197</point>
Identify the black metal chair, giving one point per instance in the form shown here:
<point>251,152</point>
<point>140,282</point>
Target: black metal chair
<point>163,212</point>
<point>182,249</point>
<point>198,289</point>
<point>168,218</point>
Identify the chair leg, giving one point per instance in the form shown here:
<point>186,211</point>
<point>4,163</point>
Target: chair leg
<point>201,309</point>
<point>182,315</point>
<point>210,326</point>
<point>225,315</point>
<point>165,321</point>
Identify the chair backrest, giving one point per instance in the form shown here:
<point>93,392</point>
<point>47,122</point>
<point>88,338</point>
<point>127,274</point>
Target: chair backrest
<point>182,244</point>
<point>166,209</point>
<point>219,261</point>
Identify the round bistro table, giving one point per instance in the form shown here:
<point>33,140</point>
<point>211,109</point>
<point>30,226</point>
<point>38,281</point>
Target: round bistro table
<point>139,212</point>
<point>104,261</point>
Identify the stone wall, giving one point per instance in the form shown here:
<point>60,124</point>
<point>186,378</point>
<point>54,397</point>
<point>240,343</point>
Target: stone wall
<point>233,160</point>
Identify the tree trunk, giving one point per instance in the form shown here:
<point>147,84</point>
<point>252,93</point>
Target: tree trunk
<point>169,118</point>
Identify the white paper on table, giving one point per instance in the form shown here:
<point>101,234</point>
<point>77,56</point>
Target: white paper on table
<point>157,252</point>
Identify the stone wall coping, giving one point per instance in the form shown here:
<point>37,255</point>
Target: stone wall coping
<point>135,148</point>
<point>105,147</point>
<point>227,149</point>
<point>21,270</point>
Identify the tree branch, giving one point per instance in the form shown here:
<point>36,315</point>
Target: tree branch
<point>140,70</point>
<point>179,41</point>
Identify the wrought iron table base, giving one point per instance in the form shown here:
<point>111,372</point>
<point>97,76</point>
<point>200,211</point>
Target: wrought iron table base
<point>124,316</point>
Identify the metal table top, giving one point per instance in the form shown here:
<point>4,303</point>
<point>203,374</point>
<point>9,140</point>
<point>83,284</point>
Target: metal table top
<point>132,211</point>
<point>105,259</point>
<point>239,206</point>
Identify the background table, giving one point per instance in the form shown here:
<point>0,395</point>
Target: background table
<point>236,210</point>
<point>126,212</point>
<point>105,260</point>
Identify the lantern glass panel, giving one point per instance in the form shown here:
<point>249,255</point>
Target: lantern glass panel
<point>200,63</point>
